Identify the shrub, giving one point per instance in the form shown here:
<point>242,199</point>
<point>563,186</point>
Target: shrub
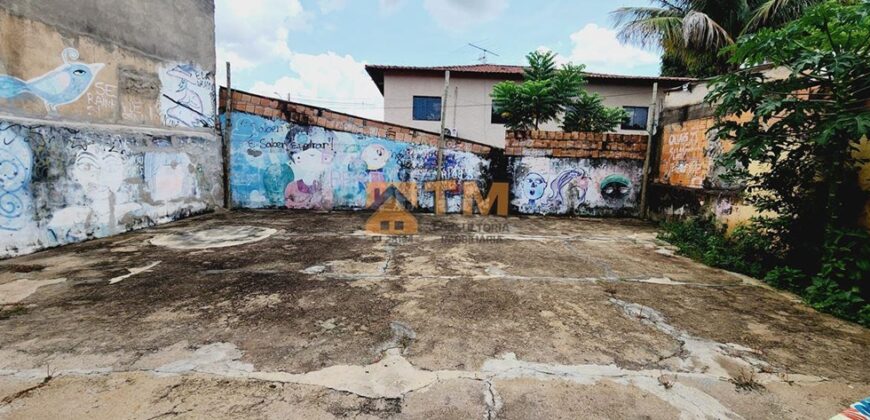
<point>839,287</point>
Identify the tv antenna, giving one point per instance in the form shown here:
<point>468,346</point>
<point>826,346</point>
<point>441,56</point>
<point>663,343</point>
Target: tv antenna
<point>483,53</point>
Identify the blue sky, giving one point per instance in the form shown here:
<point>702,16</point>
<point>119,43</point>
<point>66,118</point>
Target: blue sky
<point>316,49</point>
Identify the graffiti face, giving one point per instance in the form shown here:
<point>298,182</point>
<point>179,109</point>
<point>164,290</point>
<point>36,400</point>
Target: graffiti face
<point>571,184</point>
<point>534,186</point>
<point>376,157</point>
<point>61,86</point>
<point>330,169</point>
<point>615,187</point>
<point>97,169</point>
<point>187,99</point>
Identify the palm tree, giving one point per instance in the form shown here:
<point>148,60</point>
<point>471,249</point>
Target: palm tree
<point>691,32</point>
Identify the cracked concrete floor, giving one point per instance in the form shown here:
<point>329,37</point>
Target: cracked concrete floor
<point>291,315</point>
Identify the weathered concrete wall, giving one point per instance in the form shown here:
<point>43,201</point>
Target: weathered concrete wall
<point>49,72</point>
<point>169,30</point>
<point>572,186</point>
<point>276,163</point>
<point>289,155</point>
<point>590,174</point>
<point>107,123</point>
<point>64,184</point>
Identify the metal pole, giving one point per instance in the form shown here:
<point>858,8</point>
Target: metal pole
<point>227,139</point>
<point>440,168</point>
<point>650,128</point>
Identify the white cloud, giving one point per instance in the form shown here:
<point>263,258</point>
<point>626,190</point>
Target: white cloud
<point>251,32</point>
<point>600,51</point>
<point>461,14</point>
<point>337,82</point>
<point>329,6</point>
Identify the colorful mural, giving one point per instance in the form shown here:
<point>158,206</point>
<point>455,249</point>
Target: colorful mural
<point>278,164</point>
<point>544,185</point>
<point>61,86</point>
<point>187,98</point>
<point>63,185</point>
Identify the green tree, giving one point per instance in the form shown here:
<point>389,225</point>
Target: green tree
<point>587,113</point>
<point>691,32</point>
<point>547,91</point>
<point>803,128</point>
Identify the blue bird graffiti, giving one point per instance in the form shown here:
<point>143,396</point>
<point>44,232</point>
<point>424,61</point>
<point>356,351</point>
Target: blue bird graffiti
<point>61,86</point>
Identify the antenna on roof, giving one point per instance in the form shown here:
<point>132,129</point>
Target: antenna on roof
<point>483,53</point>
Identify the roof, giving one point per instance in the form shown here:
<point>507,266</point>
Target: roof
<point>508,72</point>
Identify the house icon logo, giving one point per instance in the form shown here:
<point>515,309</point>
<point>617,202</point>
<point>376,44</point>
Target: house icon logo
<point>392,216</point>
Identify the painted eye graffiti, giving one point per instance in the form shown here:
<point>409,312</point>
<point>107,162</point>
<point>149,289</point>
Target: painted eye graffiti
<point>615,187</point>
<point>79,72</point>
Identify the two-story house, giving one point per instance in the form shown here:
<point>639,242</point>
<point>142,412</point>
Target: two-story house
<point>412,97</point>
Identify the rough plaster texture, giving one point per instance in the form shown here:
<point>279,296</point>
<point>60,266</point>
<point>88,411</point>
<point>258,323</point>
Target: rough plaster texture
<point>107,125</point>
<point>559,318</point>
<point>186,27</point>
<point>67,184</point>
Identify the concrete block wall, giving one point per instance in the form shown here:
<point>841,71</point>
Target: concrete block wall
<point>107,124</point>
<point>589,174</point>
<point>288,155</point>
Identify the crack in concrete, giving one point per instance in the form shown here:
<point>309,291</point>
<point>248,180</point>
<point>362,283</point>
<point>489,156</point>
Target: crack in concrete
<point>492,400</point>
<point>394,377</point>
<point>24,392</point>
<point>497,274</point>
<point>697,354</point>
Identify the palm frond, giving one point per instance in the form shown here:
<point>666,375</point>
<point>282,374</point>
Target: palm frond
<point>700,32</point>
<point>774,12</point>
<point>647,26</point>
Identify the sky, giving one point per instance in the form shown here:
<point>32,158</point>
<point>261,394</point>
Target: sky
<point>316,50</point>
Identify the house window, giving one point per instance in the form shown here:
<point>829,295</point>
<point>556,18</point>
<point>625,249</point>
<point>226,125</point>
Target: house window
<point>497,117</point>
<point>637,118</point>
<point>427,108</point>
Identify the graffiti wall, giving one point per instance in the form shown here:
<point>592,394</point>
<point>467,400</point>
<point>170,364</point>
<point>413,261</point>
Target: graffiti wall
<point>279,164</point>
<point>97,137</point>
<point>84,78</point>
<point>187,98</point>
<point>575,186</point>
<point>60,185</point>
<point>689,154</point>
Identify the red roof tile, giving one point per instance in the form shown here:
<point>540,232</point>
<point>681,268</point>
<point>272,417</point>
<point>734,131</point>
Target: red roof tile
<point>499,70</point>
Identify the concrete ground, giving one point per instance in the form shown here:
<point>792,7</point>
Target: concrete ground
<point>288,315</point>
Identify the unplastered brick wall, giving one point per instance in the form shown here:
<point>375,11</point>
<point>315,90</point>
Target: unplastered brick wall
<point>322,117</point>
<point>576,145</point>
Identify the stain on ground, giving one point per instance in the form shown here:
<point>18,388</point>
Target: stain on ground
<point>264,314</point>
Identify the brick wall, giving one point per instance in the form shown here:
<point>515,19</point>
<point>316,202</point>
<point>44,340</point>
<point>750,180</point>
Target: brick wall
<point>322,117</point>
<point>576,145</point>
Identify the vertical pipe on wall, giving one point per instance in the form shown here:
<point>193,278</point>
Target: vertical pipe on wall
<point>650,128</point>
<point>227,138</point>
<point>440,168</point>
